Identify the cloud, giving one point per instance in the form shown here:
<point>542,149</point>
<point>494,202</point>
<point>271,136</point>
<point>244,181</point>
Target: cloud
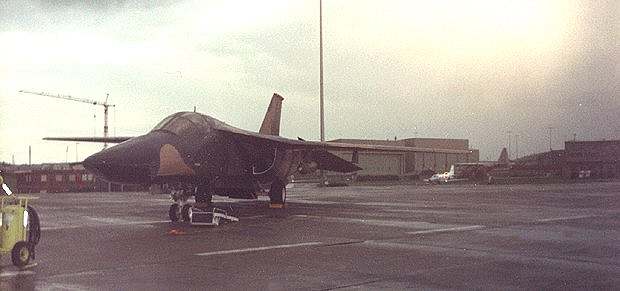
<point>397,68</point>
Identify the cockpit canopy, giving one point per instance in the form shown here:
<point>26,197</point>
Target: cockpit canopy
<point>182,123</point>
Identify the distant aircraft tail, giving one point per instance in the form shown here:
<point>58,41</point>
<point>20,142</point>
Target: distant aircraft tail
<point>271,122</point>
<point>503,157</point>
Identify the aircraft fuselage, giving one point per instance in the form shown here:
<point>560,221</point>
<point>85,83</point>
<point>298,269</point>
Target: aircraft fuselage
<point>186,148</point>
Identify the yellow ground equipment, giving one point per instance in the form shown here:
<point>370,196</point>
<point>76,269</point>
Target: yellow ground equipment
<point>19,229</point>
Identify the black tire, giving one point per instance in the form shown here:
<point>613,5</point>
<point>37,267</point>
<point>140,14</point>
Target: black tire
<point>21,253</point>
<point>185,212</point>
<point>276,192</point>
<point>174,213</point>
<point>203,194</point>
<point>34,226</point>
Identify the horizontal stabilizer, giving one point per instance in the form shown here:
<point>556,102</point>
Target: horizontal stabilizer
<point>116,139</point>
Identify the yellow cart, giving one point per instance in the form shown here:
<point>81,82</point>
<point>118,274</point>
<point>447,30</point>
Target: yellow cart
<point>19,229</point>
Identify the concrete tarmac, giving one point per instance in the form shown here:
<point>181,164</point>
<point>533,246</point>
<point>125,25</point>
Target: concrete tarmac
<point>497,237</point>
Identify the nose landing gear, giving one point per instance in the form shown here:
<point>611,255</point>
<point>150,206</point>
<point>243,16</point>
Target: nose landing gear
<point>277,194</point>
<point>181,208</point>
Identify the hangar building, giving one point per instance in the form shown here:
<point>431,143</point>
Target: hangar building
<point>417,156</point>
<point>601,157</point>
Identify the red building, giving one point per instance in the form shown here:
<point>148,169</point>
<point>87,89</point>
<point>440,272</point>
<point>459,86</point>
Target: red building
<point>56,178</point>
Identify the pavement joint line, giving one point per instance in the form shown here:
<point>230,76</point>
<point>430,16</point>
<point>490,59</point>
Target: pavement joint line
<point>355,284</point>
<point>255,217</point>
<point>510,255</point>
<point>344,243</point>
<point>108,224</point>
<point>452,229</point>
<point>258,249</point>
<point>422,271</point>
<point>567,218</point>
<point>76,274</point>
<point>6,274</point>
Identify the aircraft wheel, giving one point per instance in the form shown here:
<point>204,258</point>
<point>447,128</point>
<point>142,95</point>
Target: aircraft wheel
<point>174,213</point>
<point>185,212</point>
<point>21,253</point>
<point>277,194</point>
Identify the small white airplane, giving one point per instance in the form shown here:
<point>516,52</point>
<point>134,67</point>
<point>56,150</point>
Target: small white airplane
<point>442,177</point>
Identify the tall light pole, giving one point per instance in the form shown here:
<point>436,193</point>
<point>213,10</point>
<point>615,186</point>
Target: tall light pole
<point>322,121</point>
<point>321,68</point>
<point>550,128</point>
<point>516,146</point>
<point>509,152</point>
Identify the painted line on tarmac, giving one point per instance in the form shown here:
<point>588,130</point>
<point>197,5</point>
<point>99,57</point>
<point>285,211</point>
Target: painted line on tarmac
<point>258,249</point>
<point>451,229</point>
<point>567,218</point>
<point>76,274</point>
<point>103,224</point>
<point>255,217</point>
<point>8,274</point>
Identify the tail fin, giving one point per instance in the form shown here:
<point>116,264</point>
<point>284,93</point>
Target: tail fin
<point>271,122</point>
<point>503,157</point>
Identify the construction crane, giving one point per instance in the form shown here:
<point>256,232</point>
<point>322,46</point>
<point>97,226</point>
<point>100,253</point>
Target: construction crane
<point>105,105</point>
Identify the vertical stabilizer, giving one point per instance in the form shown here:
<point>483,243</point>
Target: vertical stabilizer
<point>271,122</point>
<point>503,157</point>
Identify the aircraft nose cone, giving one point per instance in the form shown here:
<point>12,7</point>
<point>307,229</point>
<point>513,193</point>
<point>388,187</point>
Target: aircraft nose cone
<point>93,163</point>
<point>133,161</point>
<point>118,165</point>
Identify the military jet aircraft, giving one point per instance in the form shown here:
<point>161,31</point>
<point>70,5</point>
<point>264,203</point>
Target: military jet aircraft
<point>198,155</point>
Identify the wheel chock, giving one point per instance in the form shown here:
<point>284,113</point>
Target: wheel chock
<point>276,205</point>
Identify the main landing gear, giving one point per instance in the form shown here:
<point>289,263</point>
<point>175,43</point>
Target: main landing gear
<point>181,208</point>
<point>277,194</point>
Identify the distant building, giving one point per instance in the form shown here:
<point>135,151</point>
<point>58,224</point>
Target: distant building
<point>56,178</point>
<point>420,156</point>
<point>601,158</point>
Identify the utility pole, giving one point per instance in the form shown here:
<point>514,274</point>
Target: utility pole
<point>517,146</point>
<point>550,128</point>
<point>322,112</point>
<point>321,70</point>
<point>29,155</point>
<point>509,140</point>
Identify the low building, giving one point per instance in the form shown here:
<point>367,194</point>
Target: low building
<point>417,156</point>
<point>57,178</point>
<point>600,158</point>
<point>46,178</point>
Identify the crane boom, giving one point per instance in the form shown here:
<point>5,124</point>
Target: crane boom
<point>69,97</point>
<point>105,105</point>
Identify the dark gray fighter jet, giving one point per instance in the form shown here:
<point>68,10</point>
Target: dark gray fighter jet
<point>198,155</point>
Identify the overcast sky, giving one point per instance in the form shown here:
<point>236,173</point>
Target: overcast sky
<point>449,69</point>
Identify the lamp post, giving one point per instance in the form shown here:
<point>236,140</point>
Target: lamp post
<point>321,69</point>
<point>322,112</point>
<point>509,140</point>
<point>550,128</point>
